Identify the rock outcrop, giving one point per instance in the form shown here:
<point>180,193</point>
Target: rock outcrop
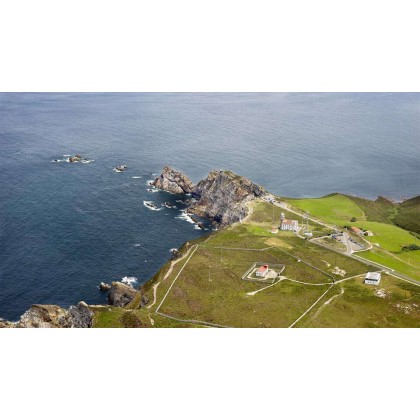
<point>121,294</point>
<point>53,316</point>
<point>6,324</point>
<point>80,316</point>
<point>104,286</point>
<point>222,197</point>
<point>173,181</point>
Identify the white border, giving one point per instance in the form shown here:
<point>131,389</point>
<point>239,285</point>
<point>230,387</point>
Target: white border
<point>187,45</point>
<point>190,45</point>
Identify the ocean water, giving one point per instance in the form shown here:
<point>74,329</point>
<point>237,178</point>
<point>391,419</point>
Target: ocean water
<point>65,227</point>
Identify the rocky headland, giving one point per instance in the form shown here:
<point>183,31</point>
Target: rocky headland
<point>53,316</point>
<point>222,197</point>
<point>79,316</point>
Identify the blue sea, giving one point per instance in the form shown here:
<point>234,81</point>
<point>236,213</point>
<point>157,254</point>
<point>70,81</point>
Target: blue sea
<point>64,228</point>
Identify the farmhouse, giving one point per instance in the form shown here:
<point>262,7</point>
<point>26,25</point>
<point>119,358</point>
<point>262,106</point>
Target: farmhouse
<point>287,224</point>
<point>356,230</point>
<point>262,271</point>
<point>373,278</point>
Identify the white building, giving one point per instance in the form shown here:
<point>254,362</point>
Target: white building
<point>262,271</point>
<point>373,278</point>
<point>287,224</point>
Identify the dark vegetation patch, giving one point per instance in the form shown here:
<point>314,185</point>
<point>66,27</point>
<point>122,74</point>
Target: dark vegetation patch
<point>381,210</point>
<point>408,213</point>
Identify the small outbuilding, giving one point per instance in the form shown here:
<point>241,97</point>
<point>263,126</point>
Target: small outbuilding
<point>262,271</point>
<point>274,229</point>
<point>373,278</point>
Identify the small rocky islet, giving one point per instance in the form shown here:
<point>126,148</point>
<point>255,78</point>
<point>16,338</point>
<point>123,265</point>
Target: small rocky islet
<point>74,159</point>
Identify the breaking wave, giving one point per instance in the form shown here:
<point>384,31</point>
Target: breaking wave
<point>129,280</point>
<point>185,216</point>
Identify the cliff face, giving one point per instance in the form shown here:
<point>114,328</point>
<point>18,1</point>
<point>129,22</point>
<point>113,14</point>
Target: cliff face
<point>53,316</point>
<point>173,181</point>
<point>223,195</point>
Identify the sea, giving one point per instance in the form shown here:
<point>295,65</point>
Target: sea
<point>66,227</point>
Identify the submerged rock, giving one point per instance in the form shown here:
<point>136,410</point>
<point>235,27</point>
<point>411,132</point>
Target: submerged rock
<point>173,181</point>
<point>121,294</point>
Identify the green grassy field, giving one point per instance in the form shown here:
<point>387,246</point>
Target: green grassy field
<point>336,209</point>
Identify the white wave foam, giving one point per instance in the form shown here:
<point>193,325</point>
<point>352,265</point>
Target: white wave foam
<point>149,182</point>
<point>129,280</point>
<point>151,206</point>
<point>136,177</point>
<point>152,190</point>
<point>66,155</point>
<point>184,216</point>
<point>87,160</point>
<point>136,245</point>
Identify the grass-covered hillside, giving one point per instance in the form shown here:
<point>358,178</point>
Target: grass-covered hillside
<point>209,283</point>
<point>408,215</point>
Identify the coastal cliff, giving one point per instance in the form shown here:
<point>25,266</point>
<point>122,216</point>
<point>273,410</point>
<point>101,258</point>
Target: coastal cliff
<point>221,197</point>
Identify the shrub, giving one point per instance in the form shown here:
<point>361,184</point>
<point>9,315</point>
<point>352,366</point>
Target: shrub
<point>411,247</point>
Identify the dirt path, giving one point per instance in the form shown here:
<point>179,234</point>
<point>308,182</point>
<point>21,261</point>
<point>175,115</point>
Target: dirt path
<point>166,276</point>
<point>328,302</point>
<point>266,287</point>
<point>294,323</point>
